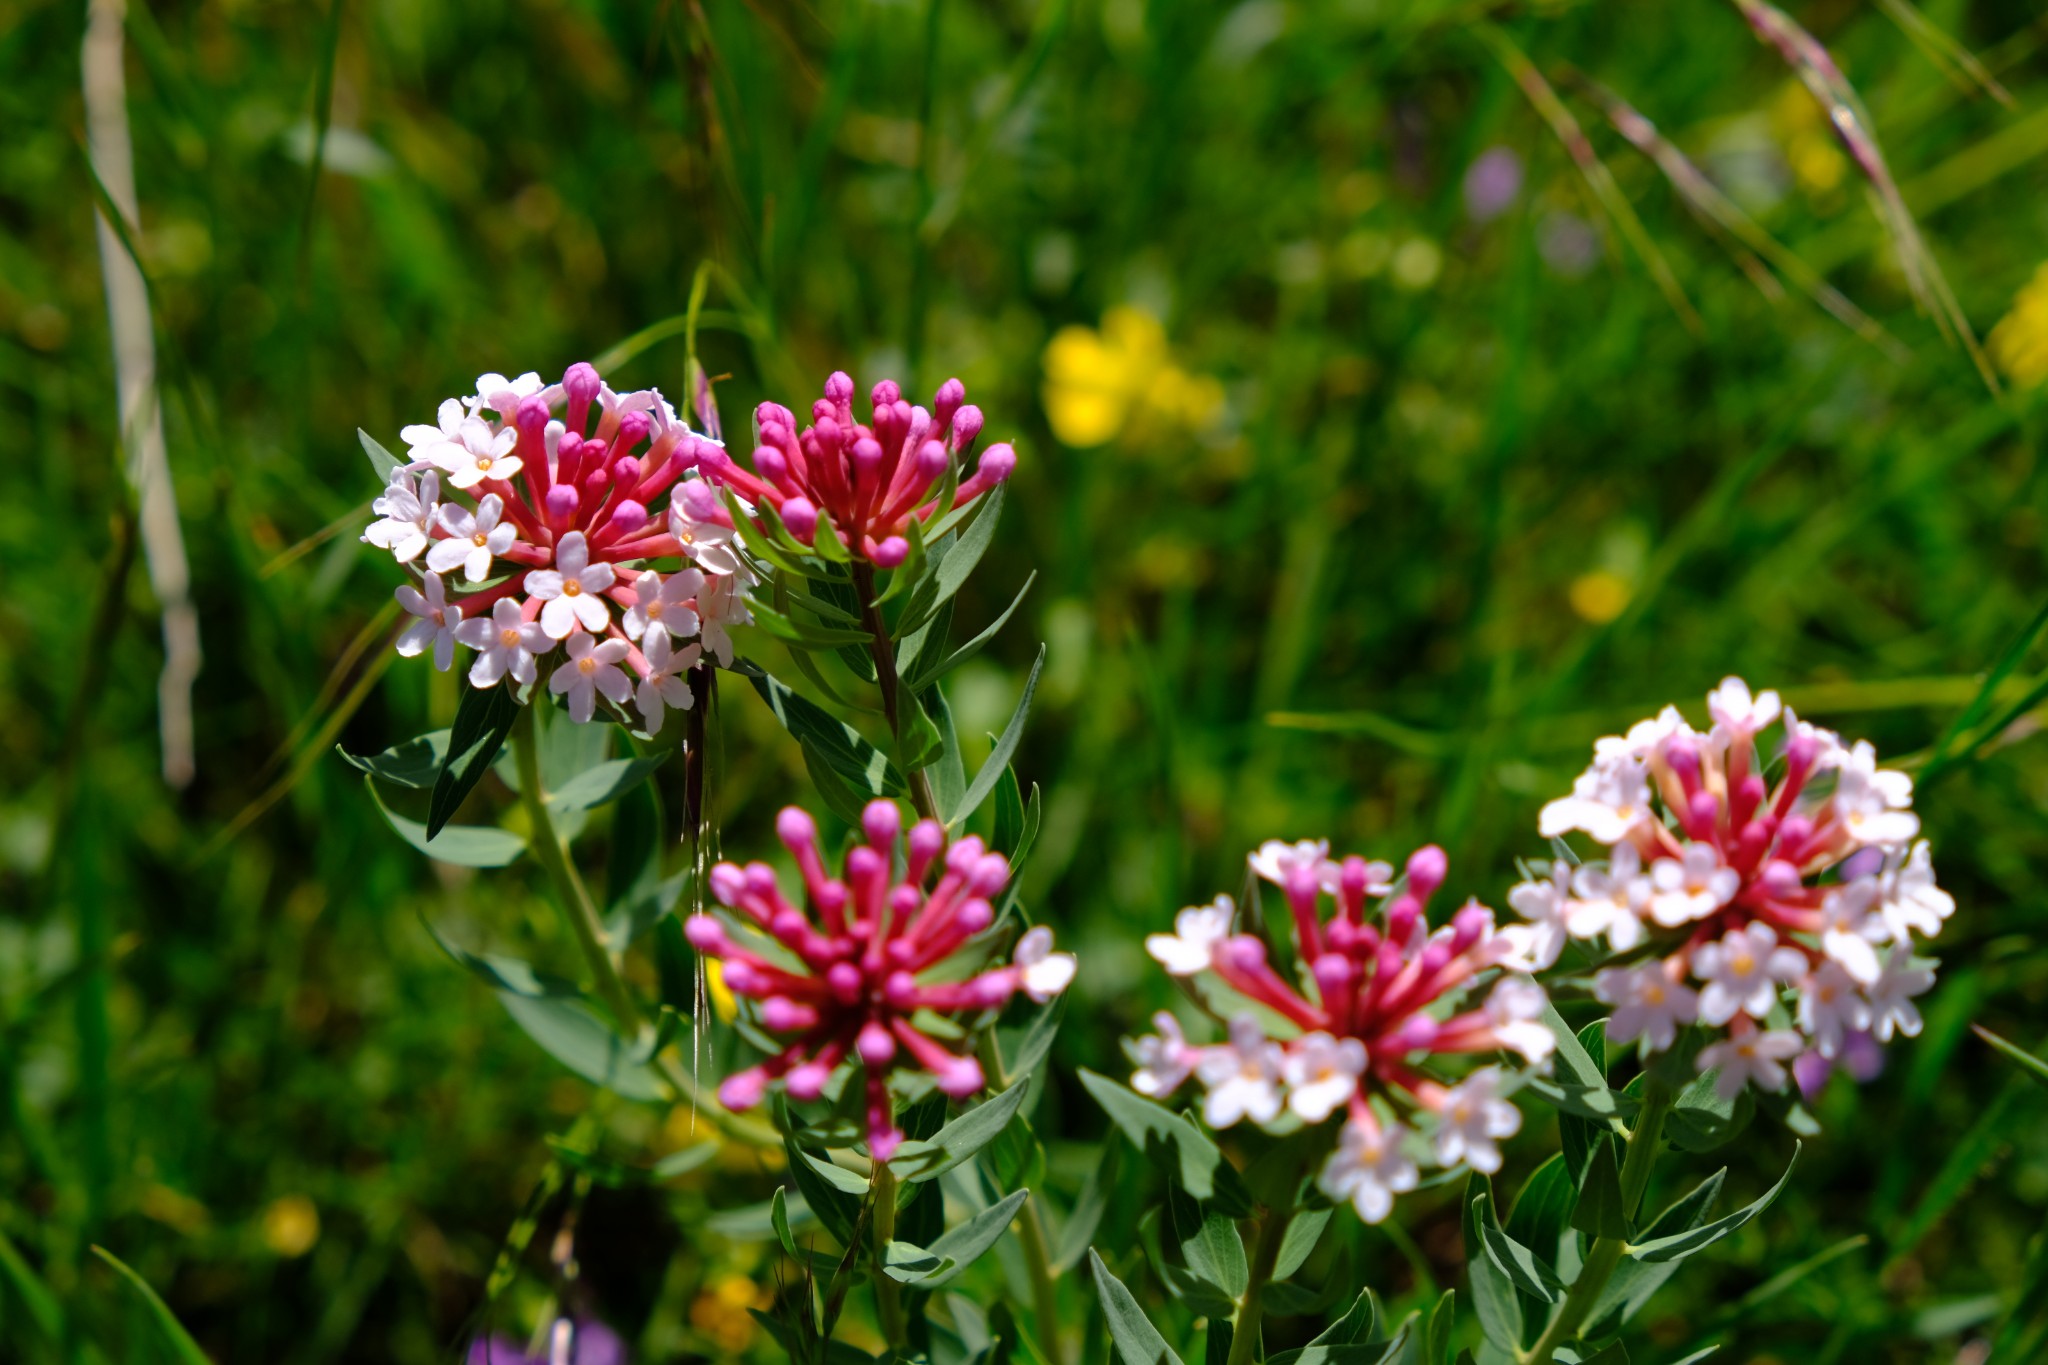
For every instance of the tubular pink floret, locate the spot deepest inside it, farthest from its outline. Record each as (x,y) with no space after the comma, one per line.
(863,940)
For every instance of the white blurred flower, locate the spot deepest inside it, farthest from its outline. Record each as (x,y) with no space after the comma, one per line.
(1515,1010)
(1756,1057)
(1243,1077)
(1873,804)
(591,668)
(1611,900)
(1850,927)
(1692,887)
(1830,1007)
(1276,860)
(1322,1074)
(1647,1004)
(405,515)
(1609,801)
(1891,995)
(664,688)
(1736,712)
(437,619)
(1545,906)
(1472,1118)
(1369,1168)
(1042,972)
(1163,1060)
(1743,972)
(1197,931)
(1912,902)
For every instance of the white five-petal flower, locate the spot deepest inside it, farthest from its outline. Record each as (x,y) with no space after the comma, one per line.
(505,643)
(1873,804)
(1850,926)
(1545,907)
(1369,1168)
(1276,860)
(712,544)
(477,453)
(1647,1004)
(1692,887)
(1608,801)
(1163,1060)
(722,603)
(1197,931)
(1611,900)
(421,438)
(591,668)
(1743,972)
(1754,1057)
(1515,1010)
(1830,1007)
(664,687)
(437,619)
(664,604)
(1042,972)
(1736,712)
(1471,1119)
(1912,902)
(1243,1076)
(571,589)
(473,541)
(406,515)
(1322,1074)
(1891,995)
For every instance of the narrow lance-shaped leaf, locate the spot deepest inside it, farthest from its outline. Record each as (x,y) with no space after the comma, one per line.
(464,845)
(1682,1244)
(483,717)
(1137,1341)
(1006,745)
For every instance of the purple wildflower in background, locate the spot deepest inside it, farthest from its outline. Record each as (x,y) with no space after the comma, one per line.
(580,1341)
(1492,183)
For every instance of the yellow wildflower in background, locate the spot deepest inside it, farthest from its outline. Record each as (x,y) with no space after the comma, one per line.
(1100,385)
(720,1312)
(1814,157)
(291,1225)
(722,1004)
(2019,343)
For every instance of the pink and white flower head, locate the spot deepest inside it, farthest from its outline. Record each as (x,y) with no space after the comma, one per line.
(843,976)
(1360,1033)
(1782,909)
(867,480)
(553,508)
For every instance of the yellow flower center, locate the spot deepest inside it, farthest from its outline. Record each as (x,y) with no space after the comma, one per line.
(1743,964)
(483,462)
(571,588)
(586,664)
(480,539)
(509,636)
(1653,994)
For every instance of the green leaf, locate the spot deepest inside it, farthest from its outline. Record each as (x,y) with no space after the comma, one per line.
(1600,1212)
(1086,1214)
(414,763)
(909,1263)
(1021,1058)
(1599,1103)
(502,973)
(463,845)
(794,630)
(947,773)
(965,1244)
(1171,1143)
(962,1138)
(952,569)
(1528,1272)
(183,1349)
(1633,1282)
(1300,1240)
(1543,1209)
(483,717)
(778,1217)
(927,675)
(1443,1320)
(832,743)
(2027,1061)
(594,787)
(1574,1065)
(1137,1341)
(1360,1323)
(1006,745)
(1678,1246)
(837,1209)
(574,1035)
(1493,1293)
(1702,1119)
(35,1296)
(685,1160)
(382,460)
(1209,1244)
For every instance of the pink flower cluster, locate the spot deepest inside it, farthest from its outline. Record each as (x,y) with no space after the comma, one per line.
(1364,1029)
(1743,889)
(866,481)
(554,545)
(844,976)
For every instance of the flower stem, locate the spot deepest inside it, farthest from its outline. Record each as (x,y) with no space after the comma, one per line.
(1606,1252)
(572,897)
(1244,1336)
(884,654)
(1031,1235)
(888,1294)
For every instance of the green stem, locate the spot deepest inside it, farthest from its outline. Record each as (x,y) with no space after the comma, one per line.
(884,654)
(1031,1234)
(1244,1336)
(1606,1252)
(579,912)
(888,1294)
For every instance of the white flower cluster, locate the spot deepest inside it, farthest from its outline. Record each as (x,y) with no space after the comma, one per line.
(556,555)
(1372,1017)
(1811,879)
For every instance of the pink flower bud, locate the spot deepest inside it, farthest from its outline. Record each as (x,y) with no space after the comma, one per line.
(783,1015)
(563,500)
(727,882)
(961,1078)
(975,916)
(966,427)
(901,989)
(1468,924)
(706,934)
(960,859)
(839,388)
(633,429)
(885,394)
(580,382)
(891,553)
(807,1081)
(801,518)
(770,464)
(628,516)
(760,879)
(1427,867)
(998,462)
(798,832)
(827,434)
(867,457)
(876,1045)
(946,402)
(743,1089)
(882,822)
(990,873)
(844,979)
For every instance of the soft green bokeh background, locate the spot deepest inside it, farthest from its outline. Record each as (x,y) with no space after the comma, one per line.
(1432,431)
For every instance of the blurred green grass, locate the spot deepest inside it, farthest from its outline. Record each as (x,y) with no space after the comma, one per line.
(1431,434)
